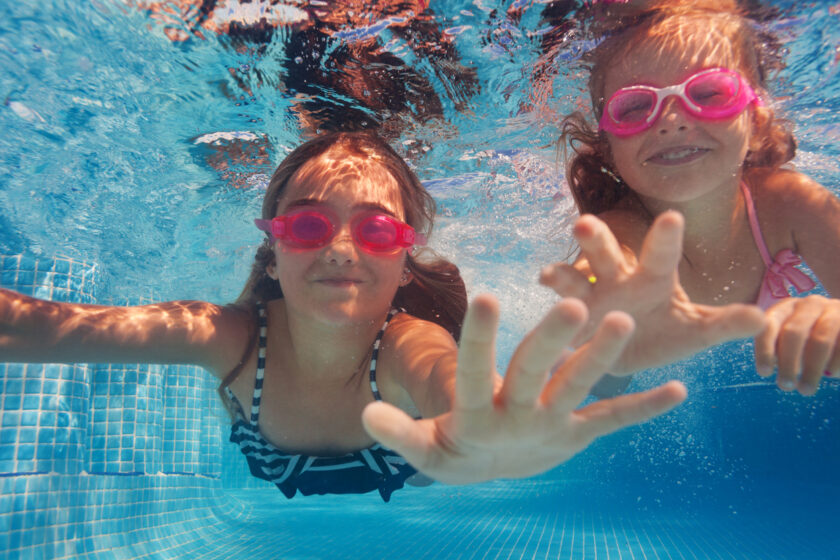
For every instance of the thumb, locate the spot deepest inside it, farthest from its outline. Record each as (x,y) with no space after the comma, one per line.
(398,431)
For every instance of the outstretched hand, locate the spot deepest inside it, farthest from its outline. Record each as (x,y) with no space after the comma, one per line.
(802,338)
(527,423)
(669,325)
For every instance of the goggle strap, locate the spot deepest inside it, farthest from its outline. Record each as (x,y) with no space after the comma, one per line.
(263,225)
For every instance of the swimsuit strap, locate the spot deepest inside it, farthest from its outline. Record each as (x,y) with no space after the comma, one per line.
(373,388)
(258,383)
(756,229)
(780,272)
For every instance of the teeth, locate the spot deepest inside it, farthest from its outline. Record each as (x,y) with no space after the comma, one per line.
(678,154)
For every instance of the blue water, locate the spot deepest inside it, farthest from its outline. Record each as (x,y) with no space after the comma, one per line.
(106,197)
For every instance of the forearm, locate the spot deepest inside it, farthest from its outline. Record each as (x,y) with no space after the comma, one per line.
(40,331)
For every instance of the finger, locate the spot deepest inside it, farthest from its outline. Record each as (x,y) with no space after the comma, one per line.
(599,246)
(396,430)
(765,343)
(730,322)
(663,245)
(539,350)
(566,280)
(607,416)
(476,354)
(572,382)
(833,367)
(790,344)
(819,349)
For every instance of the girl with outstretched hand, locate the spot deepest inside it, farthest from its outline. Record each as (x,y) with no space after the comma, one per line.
(685,124)
(338,362)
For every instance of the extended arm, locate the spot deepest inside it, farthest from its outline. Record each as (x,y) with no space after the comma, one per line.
(194,332)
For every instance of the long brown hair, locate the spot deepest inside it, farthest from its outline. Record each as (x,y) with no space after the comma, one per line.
(593,180)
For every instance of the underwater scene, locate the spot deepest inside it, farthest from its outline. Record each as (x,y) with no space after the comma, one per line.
(139,141)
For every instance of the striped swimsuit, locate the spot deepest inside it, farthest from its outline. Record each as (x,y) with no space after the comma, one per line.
(358,472)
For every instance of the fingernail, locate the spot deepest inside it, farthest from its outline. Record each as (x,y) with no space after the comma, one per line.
(828,373)
(787,385)
(764,370)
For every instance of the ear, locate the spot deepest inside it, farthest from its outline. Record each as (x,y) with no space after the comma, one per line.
(406,278)
(271,270)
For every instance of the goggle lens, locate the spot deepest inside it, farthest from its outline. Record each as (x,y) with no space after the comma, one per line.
(632,107)
(311,229)
(715,91)
(377,234)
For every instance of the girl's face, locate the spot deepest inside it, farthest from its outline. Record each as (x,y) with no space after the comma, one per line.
(340,282)
(680,157)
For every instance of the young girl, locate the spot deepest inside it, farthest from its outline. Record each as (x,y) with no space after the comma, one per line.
(318,337)
(685,123)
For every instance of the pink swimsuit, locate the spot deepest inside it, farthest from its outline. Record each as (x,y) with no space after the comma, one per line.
(781,273)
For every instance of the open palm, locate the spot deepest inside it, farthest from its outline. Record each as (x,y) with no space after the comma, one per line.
(529,422)
(669,326)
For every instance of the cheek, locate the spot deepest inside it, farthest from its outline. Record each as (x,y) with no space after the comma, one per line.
(622,155)
(739,136)
(390,268)
(290,265)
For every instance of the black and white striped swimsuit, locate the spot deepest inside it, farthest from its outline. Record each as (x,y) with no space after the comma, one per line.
(358,472)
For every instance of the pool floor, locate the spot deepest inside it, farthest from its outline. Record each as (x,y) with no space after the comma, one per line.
(500,520)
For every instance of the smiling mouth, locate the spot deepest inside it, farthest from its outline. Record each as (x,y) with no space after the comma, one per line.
(339,281)
(678,155)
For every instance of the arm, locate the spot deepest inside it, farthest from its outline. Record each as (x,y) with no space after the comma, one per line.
(528,423)
(423,362)
(813,213)
(802,338)
(182,332)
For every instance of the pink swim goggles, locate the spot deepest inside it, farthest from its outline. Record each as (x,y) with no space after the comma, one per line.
(715,93)
(375,232)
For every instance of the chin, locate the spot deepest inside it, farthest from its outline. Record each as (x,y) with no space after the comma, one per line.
(349,313)
(678,188)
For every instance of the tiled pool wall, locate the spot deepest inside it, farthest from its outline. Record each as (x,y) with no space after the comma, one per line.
(94,457)
(132,461)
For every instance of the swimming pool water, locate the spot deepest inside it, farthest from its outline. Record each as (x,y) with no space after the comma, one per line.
(107,196)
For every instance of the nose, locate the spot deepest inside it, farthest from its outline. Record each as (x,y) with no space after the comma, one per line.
(341,249)
(673,118)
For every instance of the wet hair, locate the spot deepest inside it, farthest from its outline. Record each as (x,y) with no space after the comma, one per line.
(436,293)
(593,180)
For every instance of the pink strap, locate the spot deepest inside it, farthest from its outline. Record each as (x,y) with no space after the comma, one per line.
(756,229)
(781,272)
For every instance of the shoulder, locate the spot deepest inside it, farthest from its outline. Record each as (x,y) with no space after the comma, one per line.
(796,211)
(792,199)
(406,333)
(419,357)
(234,326)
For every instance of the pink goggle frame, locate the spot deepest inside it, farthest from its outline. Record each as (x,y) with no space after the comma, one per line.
(711,94)
(307,228)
